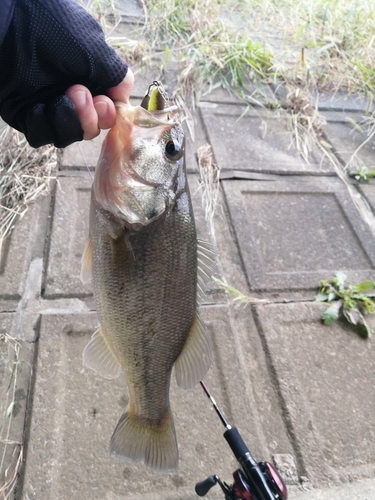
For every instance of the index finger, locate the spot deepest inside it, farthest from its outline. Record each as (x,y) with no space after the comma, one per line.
(122,91)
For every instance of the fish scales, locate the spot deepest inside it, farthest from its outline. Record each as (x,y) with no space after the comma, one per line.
(142,253)
(144,273)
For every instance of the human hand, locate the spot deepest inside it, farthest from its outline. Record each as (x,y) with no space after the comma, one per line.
(43,61)
(99,112)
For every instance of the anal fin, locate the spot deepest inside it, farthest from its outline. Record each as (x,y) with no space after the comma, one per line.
(98,356)
(86,261)
(195,359)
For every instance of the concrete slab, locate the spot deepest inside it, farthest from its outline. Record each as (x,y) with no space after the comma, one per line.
(257,95)
(82,155)
(70,226)
(69,232)
(361,490)
(368,191)
(324,393)
(260,141)
(16,360)
(25,242)
(341,101)
(346,139)
(68,237)
(75,412)
(294,232)
(130,11)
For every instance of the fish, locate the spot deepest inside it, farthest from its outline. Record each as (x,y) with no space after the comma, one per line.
(149,274)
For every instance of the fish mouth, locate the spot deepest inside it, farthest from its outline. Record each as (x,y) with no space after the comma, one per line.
(159,120)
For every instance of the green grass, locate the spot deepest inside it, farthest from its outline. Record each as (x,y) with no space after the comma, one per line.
(316,44)
(208,49)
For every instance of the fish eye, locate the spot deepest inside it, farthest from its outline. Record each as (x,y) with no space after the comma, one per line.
(172,150)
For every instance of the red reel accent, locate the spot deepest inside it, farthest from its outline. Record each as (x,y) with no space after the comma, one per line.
(240,486)
(275,476)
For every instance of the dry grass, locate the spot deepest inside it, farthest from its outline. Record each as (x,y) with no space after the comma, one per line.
(210,180)
(25,173)
(355,166)
(306,123)
(9,467)
(240,299)
(106,14)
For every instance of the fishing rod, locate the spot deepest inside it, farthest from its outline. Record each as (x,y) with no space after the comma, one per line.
(254,480)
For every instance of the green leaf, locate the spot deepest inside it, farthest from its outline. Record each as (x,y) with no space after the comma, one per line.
(349,303)
(363,329)
(353,315)
(322,297)
(368,305)
(339,279)
(332,312)
(365,286)
(332,296)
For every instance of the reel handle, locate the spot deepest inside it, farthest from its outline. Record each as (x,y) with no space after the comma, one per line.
(203,487)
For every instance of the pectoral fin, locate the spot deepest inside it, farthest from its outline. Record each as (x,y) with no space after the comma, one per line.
(86,262)
(98,356)
(195,359)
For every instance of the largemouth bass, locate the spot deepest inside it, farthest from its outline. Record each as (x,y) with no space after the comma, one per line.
(148,274)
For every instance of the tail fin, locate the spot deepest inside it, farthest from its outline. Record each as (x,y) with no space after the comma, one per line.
(136,441)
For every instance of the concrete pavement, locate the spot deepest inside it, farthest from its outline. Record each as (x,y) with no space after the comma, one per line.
(301,394)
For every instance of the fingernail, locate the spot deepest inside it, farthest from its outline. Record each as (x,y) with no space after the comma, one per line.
(79,99)
(101,108)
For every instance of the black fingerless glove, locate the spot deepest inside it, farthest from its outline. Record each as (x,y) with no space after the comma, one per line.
(49,46)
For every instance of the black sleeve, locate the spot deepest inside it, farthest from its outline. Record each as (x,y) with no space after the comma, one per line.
(6,11)
(49,46)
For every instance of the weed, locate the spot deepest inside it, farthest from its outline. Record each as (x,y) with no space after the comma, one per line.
(349,302)
(363,175)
